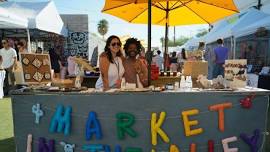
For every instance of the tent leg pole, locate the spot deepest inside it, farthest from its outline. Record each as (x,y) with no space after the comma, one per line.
(166,37)
(234,48)
(149,52)
(28,41)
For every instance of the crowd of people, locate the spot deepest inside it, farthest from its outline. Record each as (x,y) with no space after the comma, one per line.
(215,57)
(114,66)
(173,62)
(9,59)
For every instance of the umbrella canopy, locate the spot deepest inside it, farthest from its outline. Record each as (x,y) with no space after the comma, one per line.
(171,12)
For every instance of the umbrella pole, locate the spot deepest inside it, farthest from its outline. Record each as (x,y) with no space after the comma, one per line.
(166,38)
(149,52)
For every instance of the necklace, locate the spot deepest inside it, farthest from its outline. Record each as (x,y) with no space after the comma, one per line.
(116,62)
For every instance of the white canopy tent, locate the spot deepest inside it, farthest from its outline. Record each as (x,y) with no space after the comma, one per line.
(40,15)
(192,43)
(31,15)
(10,20)
(225,28)
(246,4)
(253,27)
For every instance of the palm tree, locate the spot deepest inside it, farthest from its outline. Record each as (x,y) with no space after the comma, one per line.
(103,27)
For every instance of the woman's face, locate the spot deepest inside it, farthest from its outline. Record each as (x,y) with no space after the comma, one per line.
(115,45)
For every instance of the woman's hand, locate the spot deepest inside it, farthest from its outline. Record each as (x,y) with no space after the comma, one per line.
(118,83)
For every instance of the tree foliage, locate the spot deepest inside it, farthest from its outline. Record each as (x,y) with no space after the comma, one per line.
(178,42)
(201,32)
(103,27)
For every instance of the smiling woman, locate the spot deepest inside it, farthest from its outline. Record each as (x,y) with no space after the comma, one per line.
(110,64)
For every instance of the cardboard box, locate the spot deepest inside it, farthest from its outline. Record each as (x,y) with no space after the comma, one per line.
(195,68)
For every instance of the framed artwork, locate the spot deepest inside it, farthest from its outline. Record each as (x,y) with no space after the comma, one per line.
(36,68)
(236,73)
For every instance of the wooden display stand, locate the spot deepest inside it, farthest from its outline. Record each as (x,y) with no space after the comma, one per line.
(34,69)
(236,73)
(195,68)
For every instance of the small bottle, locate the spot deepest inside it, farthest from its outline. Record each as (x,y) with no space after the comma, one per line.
(123,83)
(182,83)
(189,83)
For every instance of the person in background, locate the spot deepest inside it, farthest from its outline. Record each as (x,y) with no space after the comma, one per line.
(221,54)
(181,58)
(210,58)
(135,70)
(110,64)
(158,60)
(9,58)
(16,48)
(173,61)
(201,51)
(55,62)
(167,62)
(24,42)
(21,47)
(71,65)
(39,50)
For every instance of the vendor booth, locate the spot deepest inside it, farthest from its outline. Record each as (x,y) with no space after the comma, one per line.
(146,121)
(253,43)
(220,115)
(178,112)
(225,29)
(37,21)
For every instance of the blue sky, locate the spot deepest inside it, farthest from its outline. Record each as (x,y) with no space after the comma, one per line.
(117,26)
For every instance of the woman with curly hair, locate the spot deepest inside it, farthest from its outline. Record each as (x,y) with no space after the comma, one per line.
(110,64)
(135,71)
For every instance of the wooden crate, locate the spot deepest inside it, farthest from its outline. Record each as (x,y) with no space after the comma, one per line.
(195,68)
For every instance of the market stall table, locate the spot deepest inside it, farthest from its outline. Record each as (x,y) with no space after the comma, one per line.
(131,120)
(264,81)
(162,80)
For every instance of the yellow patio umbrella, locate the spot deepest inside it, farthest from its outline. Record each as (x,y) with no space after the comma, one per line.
(171,12)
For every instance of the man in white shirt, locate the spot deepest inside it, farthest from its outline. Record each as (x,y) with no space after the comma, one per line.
(158,60)
(9,58)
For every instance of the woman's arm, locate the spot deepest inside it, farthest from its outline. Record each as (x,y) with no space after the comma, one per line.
(104,64)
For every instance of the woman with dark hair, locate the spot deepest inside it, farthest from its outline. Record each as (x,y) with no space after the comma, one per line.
(173,61)
(110,65)
(55,62)
(135,70)
(181,58)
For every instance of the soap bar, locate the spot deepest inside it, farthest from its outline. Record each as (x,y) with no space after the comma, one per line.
(130,85)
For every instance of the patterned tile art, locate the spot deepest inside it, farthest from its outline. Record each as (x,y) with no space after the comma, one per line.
(36,68)
(236,73)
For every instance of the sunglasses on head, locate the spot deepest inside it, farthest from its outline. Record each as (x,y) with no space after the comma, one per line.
(114,44)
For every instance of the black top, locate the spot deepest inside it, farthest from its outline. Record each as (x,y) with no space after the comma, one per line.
(54,61)
(173,60)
